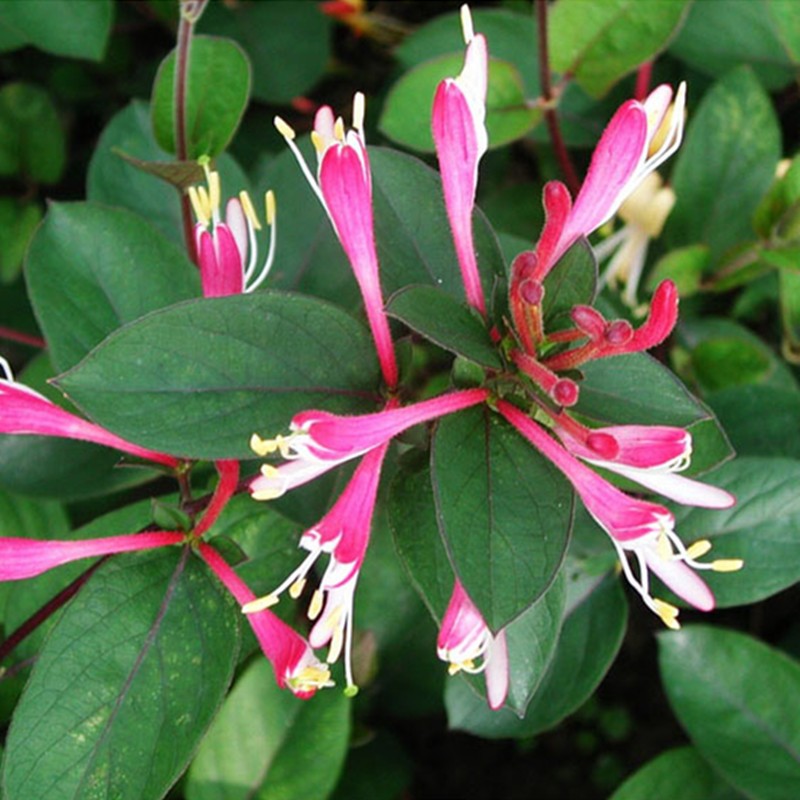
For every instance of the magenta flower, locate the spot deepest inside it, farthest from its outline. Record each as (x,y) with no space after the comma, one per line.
(468,645)
(343,533)
(293,661)
(227,251)
(644,529)
(320,440)
(459,133)
(344,187)
(24,411)
(650,455)
(25,558)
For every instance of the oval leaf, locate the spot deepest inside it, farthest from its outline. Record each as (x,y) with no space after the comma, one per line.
(734,695)
(198,379)
(504,511)
(135,669)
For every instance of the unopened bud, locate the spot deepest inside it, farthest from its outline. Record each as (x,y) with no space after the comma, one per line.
(532,292)
(604,445)
(565,392)
(619,332)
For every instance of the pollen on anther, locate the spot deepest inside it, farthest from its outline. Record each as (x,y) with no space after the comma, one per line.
(296,589)
(727,564)
(284,129)
(260,604)
(315,606)
(250,212)
(466,24)
(269,207)
(698,549)
(338,129)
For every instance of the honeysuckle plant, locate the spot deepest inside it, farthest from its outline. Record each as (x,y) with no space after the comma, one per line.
(478,445)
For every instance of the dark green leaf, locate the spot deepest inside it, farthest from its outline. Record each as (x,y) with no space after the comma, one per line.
(734,696)
(197,379)
(572,281)
(718,37)
(725,165)
(126,684)
(636,389)
(218,88)
(741,410)
(378,769)
(406,118)
(18,221)
(91,269)
(442,319)
(762,528)
(287,42)
(678,773)
(77,28)
(600,41)
(32,143)
(267,743)
(504,512)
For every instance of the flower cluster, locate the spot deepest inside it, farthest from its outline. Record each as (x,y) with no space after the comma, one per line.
(638,139)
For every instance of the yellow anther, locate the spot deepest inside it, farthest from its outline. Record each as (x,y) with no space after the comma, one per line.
(249,211)
(214,190)
(727,564)
(358,111)
(267,494)
(315,606)
(660,136)
(663,548)
(269,207)
(296,589)
(466,24)
(312,677)
(199,209)
(260,604)
(668,614)
(338,129)
(284,129)
(698,549)
(318,142)
(261,447)
(266,447)
(332,622)
(335,650)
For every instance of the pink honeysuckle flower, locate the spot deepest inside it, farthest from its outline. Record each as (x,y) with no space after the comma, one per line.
(344,187)
(464,640)
(25,558)
(650,455)
(26,412)
(344,534)
(633,145)
(459,133)
(293,661)
(227,251)
(320,440)
(644,529)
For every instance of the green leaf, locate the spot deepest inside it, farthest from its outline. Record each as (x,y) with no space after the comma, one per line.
(48,466)
(735,695)
(571,282)
(762,528)
(32,142)
(636,389)
(378,769)
(91,269)
(126,684)
(18,221)
(218,88)
(76,28)
(752,432)
(442,319)
(677,773)
(600,42)
(406,117)
(287,42)
(267,743)
(504,512)
(725,165)
(684,267)
(197,379)
(718,37)
(789,283)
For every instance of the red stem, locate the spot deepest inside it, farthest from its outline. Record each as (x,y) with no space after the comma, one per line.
(22,338)
(550,116)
